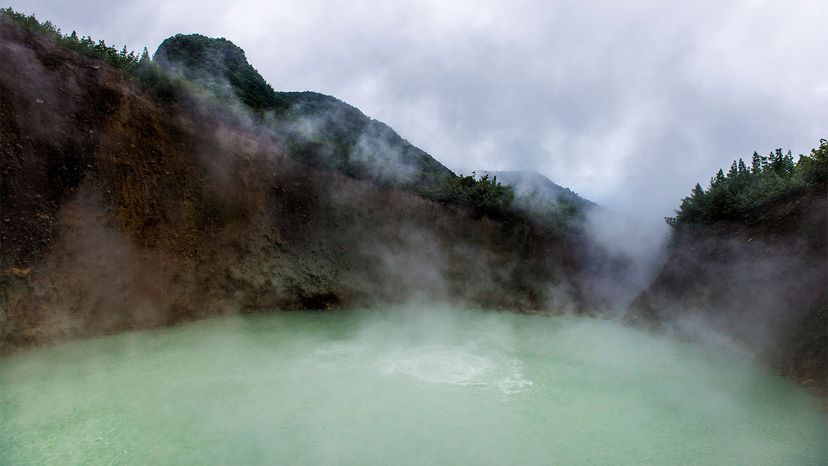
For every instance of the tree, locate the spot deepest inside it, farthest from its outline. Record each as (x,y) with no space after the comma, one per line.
(742,191)
(758,162)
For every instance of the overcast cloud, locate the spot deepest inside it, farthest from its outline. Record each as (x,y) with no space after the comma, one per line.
(627,103)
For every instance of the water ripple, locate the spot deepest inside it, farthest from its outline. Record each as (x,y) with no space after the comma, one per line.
(457,365)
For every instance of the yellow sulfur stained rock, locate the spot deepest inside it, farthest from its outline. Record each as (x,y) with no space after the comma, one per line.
(20,272)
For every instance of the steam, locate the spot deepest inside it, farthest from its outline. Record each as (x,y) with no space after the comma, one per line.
(749,293)
(428,384)
(384,161)
(245,227)
(281,234)
(620,255)
(627,253)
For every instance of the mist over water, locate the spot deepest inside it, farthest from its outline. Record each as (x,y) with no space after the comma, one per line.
(426,385)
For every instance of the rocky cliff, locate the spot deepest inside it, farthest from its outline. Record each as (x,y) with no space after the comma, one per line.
(122,210)
(760,285)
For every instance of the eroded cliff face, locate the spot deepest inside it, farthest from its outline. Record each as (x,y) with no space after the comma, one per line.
(120,212)
(761,286)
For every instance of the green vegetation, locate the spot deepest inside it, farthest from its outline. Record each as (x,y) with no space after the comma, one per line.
(483,195)
(326,133)
(121,59)
(538,198)
(319,130)
(557,215)
(148,73)
(202,59)
(743,190)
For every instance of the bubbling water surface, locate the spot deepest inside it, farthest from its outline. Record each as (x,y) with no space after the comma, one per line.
(425,385)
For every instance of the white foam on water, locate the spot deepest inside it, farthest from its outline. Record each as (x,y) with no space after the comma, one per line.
(514,383)
(456,365)
(453,365)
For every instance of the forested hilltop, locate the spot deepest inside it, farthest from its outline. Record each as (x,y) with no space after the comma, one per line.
(748,265)
(316,129)
(743,191)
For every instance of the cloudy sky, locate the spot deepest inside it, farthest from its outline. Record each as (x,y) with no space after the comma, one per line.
(629,103)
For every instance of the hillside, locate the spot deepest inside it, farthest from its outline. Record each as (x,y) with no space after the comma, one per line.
(541,198)
(319,130)
(755,278)
(537,188)
(125,205)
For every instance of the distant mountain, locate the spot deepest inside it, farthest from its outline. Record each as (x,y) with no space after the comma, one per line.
(319,130)
(540,197)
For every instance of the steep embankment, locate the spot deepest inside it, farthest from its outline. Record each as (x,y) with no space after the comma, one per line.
(121,211)
(318,129)
(761,284)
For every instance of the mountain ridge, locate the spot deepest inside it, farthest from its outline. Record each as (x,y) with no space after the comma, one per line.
(321,130)
(125,208)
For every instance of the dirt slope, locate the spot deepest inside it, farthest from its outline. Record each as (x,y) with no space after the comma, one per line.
(762,284)
(121,212)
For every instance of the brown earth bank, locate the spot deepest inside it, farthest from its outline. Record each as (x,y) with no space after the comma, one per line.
(118,211)
(121,212)
(760,285)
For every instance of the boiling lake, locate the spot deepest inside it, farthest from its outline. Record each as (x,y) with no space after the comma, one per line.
(427,385)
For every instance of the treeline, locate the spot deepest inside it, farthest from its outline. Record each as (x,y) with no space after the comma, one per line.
(739,193)
(483,195)
(141,67)
(121,59)
(147,72)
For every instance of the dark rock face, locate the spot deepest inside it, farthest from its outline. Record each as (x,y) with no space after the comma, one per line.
(762,284)
(120,211)
(320,130)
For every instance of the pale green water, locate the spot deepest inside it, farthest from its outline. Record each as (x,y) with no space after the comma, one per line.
(400,387)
